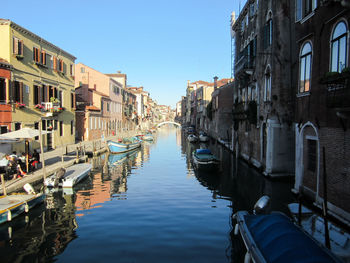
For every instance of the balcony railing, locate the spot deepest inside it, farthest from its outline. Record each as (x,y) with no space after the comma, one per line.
(337,90)
(245,62)
(51,107)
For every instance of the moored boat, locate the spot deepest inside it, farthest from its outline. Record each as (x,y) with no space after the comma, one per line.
(14,205)
(203,137)
(203,159)
(273,237)
(192,138)
(127,144)
(116,159)
(148,137)
(70,176)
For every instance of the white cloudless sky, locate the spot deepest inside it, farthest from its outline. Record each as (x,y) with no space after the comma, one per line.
(159,44)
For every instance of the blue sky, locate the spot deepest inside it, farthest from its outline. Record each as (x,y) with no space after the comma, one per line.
(159,44)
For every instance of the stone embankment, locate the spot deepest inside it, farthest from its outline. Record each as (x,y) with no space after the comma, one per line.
(65,156)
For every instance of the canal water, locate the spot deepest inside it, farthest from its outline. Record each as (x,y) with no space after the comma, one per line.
(149,206)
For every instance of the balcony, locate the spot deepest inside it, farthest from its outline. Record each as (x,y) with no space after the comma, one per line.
(337,89)
(245,63)
(51,108)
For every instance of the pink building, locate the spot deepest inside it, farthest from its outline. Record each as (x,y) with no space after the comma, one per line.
(99,104)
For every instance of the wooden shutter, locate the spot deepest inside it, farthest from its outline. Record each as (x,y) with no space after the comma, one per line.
(21,92)
(54,63)
(15,46)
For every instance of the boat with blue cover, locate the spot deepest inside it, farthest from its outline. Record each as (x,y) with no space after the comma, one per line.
(125,145)
(275,238)
(203,159)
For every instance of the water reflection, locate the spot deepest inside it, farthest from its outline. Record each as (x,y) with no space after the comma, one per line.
(133,205)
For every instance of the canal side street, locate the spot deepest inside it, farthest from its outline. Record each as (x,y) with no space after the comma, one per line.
(62,157)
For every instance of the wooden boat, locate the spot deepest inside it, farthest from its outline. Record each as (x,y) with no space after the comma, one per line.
(116,159)
(203,159)
(14,205)
(71,177)
(192,138)
(148,137)
(203,137)
(127,144)
(274,237)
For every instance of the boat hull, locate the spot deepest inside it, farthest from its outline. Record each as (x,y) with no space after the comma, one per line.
(274,236)
(73,175)
(116,147)
(12,206)
(208,162)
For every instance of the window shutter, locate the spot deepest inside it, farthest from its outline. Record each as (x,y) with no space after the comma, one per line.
(15,46)
(21,88)
(54,62)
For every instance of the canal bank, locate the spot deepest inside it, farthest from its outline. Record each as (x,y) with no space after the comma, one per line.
(62,157)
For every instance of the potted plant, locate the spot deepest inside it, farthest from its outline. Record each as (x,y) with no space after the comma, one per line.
(38,107)
(20,105)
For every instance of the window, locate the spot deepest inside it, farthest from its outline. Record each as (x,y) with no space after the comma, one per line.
(60,66)
(305,68)
(311,155)
(267,34)
(72,100)
(3,129)
(303,8)
(36,55)
(339,47)
(61,128)
(107,107)
(71,127)
(2,91)
(49,61)
(18,47)
(71,69)
(36,126)
(18,92)
(82,70)
(267,90)
(36,94)
(17,126)
(43,57)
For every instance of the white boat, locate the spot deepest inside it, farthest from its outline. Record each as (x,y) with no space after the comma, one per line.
(192,138)
(203,137)
(71,177)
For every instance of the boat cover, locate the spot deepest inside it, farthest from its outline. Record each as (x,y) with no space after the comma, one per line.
(203,151)
(274,238)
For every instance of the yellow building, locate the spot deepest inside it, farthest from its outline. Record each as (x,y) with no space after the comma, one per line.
(41,86)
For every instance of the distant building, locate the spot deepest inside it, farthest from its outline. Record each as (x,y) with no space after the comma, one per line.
(220,125)
(99,99)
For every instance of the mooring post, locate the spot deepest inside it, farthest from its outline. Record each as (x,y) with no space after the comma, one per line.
(325,209)
(3,184)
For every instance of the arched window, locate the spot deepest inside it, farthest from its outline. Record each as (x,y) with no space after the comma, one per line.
(339,47)
(305,68)
(267,88)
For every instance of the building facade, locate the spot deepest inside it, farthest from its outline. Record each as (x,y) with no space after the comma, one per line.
(100,104)
(41,88)
(263,96)
(323,104)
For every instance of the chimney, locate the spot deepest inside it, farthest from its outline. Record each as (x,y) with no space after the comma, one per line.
(215,82)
